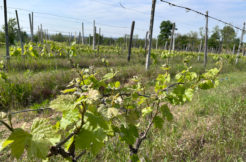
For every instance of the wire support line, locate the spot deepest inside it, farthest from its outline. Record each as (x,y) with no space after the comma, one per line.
(200,13)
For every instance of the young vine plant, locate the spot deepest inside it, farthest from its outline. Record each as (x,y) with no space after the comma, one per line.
(94,109)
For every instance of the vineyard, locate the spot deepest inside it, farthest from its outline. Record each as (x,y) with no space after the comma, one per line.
(76,101)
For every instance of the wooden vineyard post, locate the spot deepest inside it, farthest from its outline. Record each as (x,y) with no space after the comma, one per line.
(165,47)
(94,35)
(206,42)
(75,37)
(31,25)
(83,34)
(130,42)
(89,39)
(146,42)
(200,50)
(6,31)
(30,20)
(171,41)
(240,44)
(47,34)
(69,39)
(19,32)
(41,33)
(173,46)
(156,43)
(150,33)
(243,50)
(79,41)
(233,50)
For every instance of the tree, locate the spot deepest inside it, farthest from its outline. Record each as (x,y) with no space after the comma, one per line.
(165,31)
(193,39)
(214,40)
(228,36)
(58,37)
(181,41)
(12,28)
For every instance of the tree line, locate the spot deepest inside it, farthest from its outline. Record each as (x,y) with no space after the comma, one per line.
(220,40)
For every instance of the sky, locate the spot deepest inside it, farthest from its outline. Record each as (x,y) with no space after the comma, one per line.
(114,17)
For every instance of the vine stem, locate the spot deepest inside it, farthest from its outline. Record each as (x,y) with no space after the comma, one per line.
(143,136)
(7,126)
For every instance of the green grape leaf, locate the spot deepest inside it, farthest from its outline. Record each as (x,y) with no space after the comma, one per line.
(206,84)
(188,94)
(132,117)
(128,134)
(69,90)
(63,103)
(96,120)
(113,112)
(90,140)
(93,95)
(166,113)
(39,149)
(19,139)
(158,122)
(147,111)
(97,146)
(3,115)
(69,117)
(117,84)
(84,139)
(4,144)
(109,76)
(42,130)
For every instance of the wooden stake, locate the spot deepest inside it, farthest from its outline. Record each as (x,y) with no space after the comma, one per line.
(240,44)
(69,39)
(173,46)
(165,47)
(19,32)
(94,35)
(83,34)
(89,40)
(79,39)
(171,41)
(206,42)
(200,50)
(234,47)
(146,42)
(42,37)
(150,33)
(6,31)
(32,25)
(156,43)
(30,20)
(130,43)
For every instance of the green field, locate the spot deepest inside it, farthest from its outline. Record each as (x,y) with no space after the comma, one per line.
(209,128)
